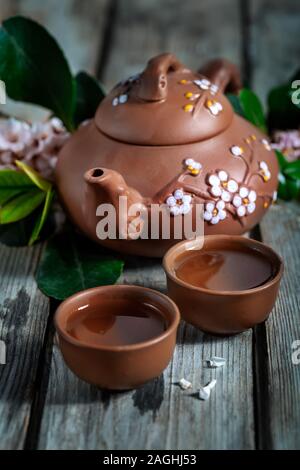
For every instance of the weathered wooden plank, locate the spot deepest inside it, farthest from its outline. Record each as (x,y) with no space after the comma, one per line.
(195,31)
(274,29)
(275,45)
(23,310)
(281,229)
(23,319)
(160,415)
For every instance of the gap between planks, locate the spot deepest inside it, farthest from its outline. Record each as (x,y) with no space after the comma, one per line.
(45,357)
(260,357)
(260,363)
(166,420)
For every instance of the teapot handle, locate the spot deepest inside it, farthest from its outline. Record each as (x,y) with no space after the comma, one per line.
(153,82)
(224,74)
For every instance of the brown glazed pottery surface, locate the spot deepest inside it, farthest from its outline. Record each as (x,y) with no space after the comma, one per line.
(165,129)
(117,337)
(225,287)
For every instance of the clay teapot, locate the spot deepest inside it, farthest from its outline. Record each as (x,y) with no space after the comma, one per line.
(169,136)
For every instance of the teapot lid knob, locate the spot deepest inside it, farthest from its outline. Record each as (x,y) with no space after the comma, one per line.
(153,82)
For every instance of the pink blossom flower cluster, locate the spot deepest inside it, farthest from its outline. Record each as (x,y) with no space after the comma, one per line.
(36,144)
(288,142)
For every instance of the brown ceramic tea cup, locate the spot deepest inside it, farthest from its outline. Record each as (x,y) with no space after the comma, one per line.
(117,337)
(225,286)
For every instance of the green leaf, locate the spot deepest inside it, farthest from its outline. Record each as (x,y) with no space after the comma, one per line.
(289,188)
(281,160)
(89,94)
(8,193)
(13,178)
(35,177)
(19,233)
(21,206)
(283,192)
(42,218)
(34,68)
(71,263)
(279,98)
(252,108)
(13,183)
(236,104)
(289,178)
(293,187)
(21,193)
(292,169)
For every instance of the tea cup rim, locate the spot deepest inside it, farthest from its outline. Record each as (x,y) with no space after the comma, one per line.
(62,309)
(195,243)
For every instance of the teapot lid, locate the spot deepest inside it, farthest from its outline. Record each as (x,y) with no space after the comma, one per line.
(167,104)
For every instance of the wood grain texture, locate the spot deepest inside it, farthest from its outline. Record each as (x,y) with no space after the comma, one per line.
(160,415)
(275,45)
(195,31)
(23,319)
(281,229)
(274,31)
(74,415)
(24,310)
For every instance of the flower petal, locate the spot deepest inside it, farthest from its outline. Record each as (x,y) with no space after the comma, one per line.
(244,191)
(232,186)
(178,194)
(171,201)
(263,166)
(220,205)
(222,215)
(236,150)
(251,207)
(215,220)
(214,180)
(267,174)
(241,211)
(237,201)
(204,84)
(210,206)
(197,165)
(226,196)
(185,208)
(214,88)
(223,176)
(186,199)
(266,144)
(252,196)
(123,99)
(215,108)
(57,124)
(175,210)
(216,191)
(189,162)
(207,216)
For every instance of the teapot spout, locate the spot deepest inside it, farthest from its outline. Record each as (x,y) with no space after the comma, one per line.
(106,186)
